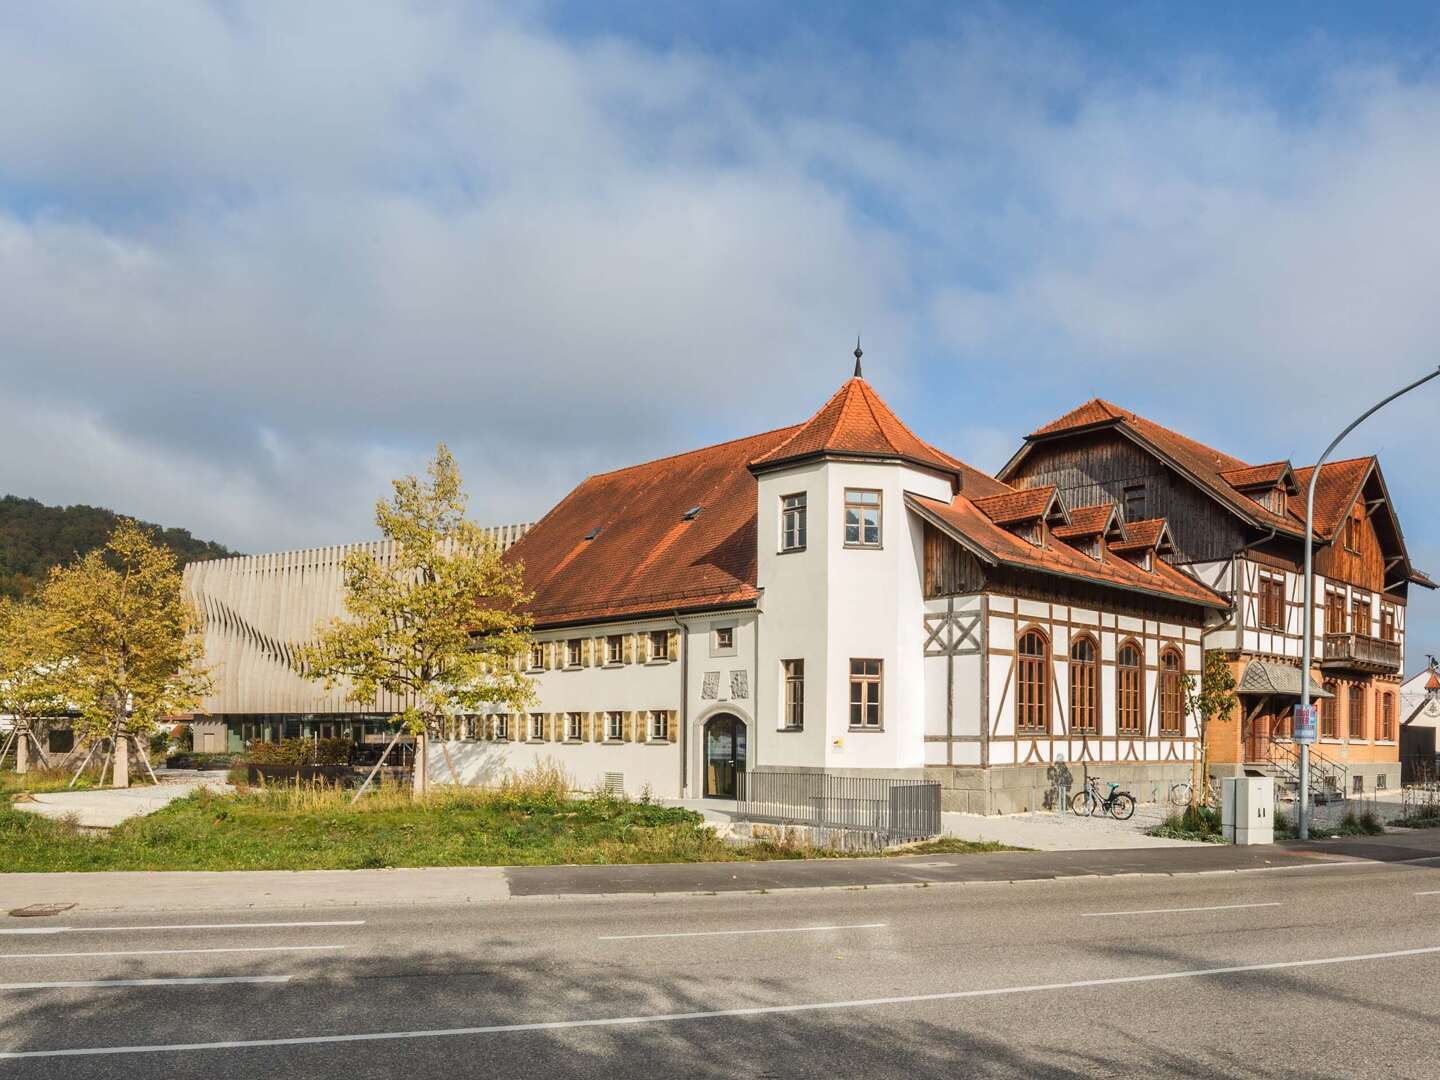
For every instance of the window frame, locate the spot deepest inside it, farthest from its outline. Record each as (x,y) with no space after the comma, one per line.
(1336,617)
(659,645)
(1123,671)
(1135,493)
(719,647)
(864,681)
(861,506)
(1362,611)
(1386,732)
(574,652)
(1084,679)
(794,510)
(1355,695)
(1171,672)
(1272,591)
(537,656)
(1329,709)
(502,727)
(615,649)
(1032,674)
(792,678)
(1388,629)
(614,726)
(658,726)
(574,727)
(537,723)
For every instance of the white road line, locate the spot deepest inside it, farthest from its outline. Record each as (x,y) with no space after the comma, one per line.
(178,926)
(717,1014)
(1432,892)
(88,983)
(1175,910)
(725,933)
(170,952)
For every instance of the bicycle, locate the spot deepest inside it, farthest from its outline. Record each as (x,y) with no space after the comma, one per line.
(1120,805)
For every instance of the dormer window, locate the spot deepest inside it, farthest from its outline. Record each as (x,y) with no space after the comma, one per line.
(1094,548)
(1273,500)
(1032,532)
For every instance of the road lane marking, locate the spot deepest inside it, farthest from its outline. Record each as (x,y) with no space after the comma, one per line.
(1176,910)
(718,1014)
(178,926)
(1432,892)
(725,933)
(179,981)
(170,952)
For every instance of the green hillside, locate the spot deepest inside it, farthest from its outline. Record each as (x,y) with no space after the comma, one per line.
(34,537)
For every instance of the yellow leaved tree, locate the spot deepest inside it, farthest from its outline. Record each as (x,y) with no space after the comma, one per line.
(127,644)
(29,695)
(437,624)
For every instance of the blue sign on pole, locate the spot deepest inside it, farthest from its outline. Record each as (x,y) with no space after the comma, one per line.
(1304,729)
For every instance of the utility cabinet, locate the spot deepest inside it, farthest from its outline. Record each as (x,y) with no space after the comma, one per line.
(1247,809)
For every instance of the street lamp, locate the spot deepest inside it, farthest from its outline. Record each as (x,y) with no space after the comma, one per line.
(1308,617)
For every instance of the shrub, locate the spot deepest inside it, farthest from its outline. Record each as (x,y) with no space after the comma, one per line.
(332,751)
(546,780)
(285,752)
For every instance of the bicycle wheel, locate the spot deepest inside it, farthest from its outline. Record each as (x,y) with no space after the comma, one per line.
(1180,794)
(1083,804)
(1122,806)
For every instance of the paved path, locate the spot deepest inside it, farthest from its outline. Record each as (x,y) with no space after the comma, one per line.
(275,889)
(104,808)
(1282,975)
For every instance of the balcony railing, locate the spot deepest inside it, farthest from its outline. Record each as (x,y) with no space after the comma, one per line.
(1361,652)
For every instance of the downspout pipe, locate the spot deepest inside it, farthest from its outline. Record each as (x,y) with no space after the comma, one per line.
(1308,616)
(684,703)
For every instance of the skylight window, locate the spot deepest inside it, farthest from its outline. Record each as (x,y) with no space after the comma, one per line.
(691,514)
(593,533)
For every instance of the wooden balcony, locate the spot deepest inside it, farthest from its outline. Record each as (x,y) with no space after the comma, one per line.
(1361,652)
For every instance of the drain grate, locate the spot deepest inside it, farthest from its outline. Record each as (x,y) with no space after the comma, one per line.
(33,911)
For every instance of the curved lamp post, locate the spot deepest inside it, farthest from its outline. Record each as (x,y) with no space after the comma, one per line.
(1308,615)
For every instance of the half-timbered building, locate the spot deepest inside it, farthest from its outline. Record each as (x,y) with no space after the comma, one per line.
(1239,529)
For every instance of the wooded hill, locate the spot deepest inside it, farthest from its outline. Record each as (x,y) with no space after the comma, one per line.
(34,537)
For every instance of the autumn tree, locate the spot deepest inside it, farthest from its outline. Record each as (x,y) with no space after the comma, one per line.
(127,643)
(1213,699)
(28,691)
(439,622)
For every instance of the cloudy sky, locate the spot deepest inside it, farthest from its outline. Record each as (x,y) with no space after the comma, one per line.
(257,258)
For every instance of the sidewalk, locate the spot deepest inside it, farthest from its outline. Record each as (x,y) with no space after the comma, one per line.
(198,892)
(104,808)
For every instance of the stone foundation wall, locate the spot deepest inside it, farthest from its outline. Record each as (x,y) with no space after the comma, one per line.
(1017,789)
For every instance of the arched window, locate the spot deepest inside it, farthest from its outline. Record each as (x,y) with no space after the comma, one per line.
(1084,687)
(1129,690)
(1172,710)
(1327,714)
(1032,684)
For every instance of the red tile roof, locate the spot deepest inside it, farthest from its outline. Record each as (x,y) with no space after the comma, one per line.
(1017,506)
(1087,521)
(1140,535)
(977,532)
(1267,475)
(855,421)
(646,559)
(1204,463)
(1335,492)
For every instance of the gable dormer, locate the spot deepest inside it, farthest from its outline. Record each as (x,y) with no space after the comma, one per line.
(1270,485)
(1029,514)
(1144,541)
(1092,529)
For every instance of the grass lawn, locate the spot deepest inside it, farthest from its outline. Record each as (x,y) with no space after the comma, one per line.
(309,829)
(41,780)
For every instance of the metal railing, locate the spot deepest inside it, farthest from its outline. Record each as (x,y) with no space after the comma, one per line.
(1361,652)
(898,810)
(1328,777)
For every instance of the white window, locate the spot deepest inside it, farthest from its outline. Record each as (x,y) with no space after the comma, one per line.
(537,656)
(724,639)
(660,726)
(862,518)
(792,522)
(615,649)
(572,726)
(537,726)
(574,652)
(794,694)
(502,727)
(615,726)
(659,645)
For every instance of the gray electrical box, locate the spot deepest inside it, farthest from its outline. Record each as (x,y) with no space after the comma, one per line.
(1247,809)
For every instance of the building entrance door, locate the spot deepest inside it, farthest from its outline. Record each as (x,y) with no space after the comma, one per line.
(724,756)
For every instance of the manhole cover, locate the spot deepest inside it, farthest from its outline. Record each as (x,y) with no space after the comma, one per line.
(35,910)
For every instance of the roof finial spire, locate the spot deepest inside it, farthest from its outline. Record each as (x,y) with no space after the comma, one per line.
(858,354)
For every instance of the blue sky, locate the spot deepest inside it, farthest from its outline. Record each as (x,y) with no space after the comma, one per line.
(255,259)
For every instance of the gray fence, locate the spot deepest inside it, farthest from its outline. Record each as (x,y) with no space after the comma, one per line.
(897,810)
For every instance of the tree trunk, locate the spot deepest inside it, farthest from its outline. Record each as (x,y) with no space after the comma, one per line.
(122,762)
(22,750)
(421,770)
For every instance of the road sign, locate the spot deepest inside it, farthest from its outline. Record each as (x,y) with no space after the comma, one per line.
(1304,730)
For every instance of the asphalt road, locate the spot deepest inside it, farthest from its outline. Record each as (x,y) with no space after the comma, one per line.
(1328,970)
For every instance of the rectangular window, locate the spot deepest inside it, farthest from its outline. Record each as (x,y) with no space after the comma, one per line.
(659,645)
(1357,712)
(1328,727)
(537,727)
(862,518)
(537,656)
(615,649)
(1387,717)
(865,681)
(1350,534)
(660,726)
(573,726)
(1272,603)
(794,694)
(1387,622)
(1360,616)
(502,727)
(1334,612)
(724,638)
(1134,502)
(792,522)
(615,726)
(574,653)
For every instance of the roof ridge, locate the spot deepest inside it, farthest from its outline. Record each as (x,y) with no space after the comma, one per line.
(697,450)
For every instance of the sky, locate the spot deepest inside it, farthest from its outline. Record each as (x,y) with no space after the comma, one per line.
(256,259)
